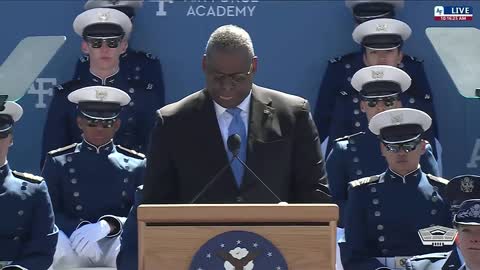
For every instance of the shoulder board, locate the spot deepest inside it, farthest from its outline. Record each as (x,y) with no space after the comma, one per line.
(130,152)
(416,59)
(144,54)
(84,59)
(436,179)
(28,177)
(62,150)
(349,136)
(335,59)
(363,181)
(431,256)
(151,56)
(70,85)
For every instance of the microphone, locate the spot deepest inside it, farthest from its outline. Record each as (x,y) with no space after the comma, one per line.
(234,141)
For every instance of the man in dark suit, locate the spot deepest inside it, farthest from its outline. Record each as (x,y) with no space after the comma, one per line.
(189,144)
(279,140)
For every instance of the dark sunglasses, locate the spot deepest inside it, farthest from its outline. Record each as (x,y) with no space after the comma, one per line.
(103,123)
(4,134)
(96,42)
(407,146)
(388,101)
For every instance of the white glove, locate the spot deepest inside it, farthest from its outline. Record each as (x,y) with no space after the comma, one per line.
(84,239)
(63,247)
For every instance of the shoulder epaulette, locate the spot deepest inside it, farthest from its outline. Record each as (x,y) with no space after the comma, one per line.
(349,136)
(28,177)
(335,59)
(130,152)
(150,56)
(431,256)
(62,150)
(437,179)
(363,181)
(416,59)
(70,85)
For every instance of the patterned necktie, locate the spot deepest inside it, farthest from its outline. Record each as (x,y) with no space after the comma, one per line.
(238,127)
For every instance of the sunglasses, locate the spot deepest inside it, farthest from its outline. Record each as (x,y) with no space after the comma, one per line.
(388,101)
(407,146)
(4,134)
(96,42)
(102,123)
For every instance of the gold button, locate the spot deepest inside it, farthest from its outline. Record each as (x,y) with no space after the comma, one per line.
(76,194)
(79,207)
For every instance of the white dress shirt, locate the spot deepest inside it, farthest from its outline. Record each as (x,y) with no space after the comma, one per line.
(224,118)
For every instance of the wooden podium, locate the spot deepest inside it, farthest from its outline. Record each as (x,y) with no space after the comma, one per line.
(170,235)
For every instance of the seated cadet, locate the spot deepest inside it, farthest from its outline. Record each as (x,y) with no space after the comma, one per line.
(105,35)
(337,113)
(127,258)
(385,212)
(459,189)
(92,183)
(358,155)
(28,234)
(467,223)
(139,64)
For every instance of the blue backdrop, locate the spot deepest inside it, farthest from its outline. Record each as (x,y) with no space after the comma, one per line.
(293,39)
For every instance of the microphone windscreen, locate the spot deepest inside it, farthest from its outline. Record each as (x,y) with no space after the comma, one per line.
(233,142)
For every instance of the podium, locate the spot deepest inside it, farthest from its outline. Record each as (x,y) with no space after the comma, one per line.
(171,235)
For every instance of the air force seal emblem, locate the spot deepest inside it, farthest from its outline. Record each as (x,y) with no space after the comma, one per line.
(238,250)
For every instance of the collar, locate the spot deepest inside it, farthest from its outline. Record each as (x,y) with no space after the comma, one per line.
(4,171)
(244,106)
(411,177)
(110,80)
(102,149)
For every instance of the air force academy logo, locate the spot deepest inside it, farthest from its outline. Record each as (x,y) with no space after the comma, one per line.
(238,250)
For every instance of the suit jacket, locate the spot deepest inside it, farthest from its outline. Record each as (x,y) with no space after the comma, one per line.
(187,151)
(127,258)
(435,261)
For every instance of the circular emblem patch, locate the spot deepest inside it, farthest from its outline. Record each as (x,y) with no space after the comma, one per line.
(238,250)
